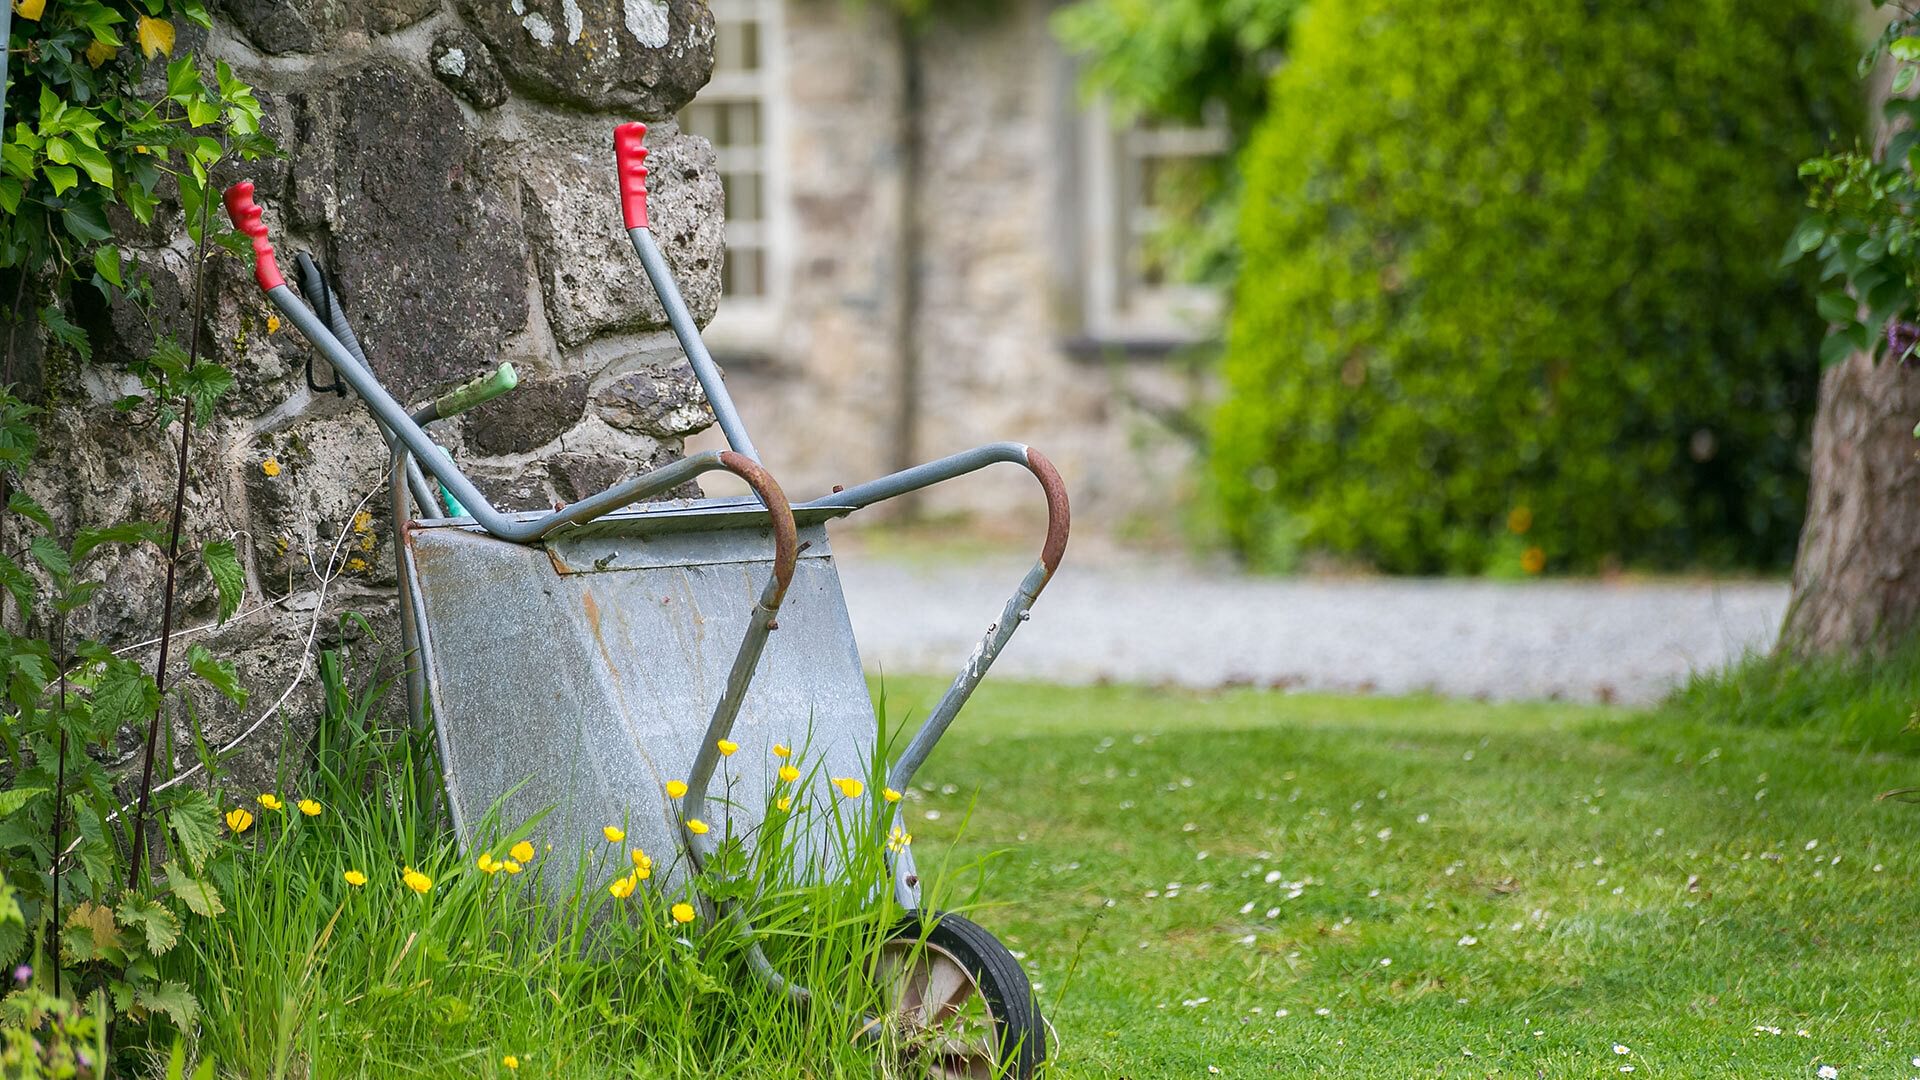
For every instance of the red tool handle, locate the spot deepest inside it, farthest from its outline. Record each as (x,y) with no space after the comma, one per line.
(246,217)
(632,159)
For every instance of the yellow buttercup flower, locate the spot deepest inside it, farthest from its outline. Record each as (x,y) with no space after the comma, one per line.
(683,913)
(355,878)
(781,752)
(487,864)
(416,880)
(783,803)
(239,820)
(789,773)
(727,747)
(270,467)
(898,840)
(849,787)
(309,807)
(641,861)
(622,887)
(614,834)
(273,324)
(696,826)
(511,867)
(890,795)
(1533,560)
(522,851)
(676,788)
(270,801)
(510,1061)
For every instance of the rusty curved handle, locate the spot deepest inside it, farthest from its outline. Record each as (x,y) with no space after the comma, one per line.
(786,535)
(1059,514)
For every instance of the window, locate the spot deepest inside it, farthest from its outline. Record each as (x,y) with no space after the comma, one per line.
(733,113)
(1131,294)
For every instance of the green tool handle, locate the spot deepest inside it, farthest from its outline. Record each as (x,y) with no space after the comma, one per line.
(479,391)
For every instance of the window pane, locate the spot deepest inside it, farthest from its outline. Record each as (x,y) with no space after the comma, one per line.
(743,123)
(743,196)
(743,273)
(736,46)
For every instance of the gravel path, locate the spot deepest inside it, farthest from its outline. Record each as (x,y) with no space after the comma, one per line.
(1116,617)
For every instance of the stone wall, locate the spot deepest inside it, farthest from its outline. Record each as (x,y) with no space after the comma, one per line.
(452,164)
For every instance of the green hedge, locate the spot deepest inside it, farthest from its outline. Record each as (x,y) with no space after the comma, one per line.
(1506,254)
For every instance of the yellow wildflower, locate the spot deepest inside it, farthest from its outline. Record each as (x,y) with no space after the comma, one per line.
(486,863)
(100,52)
(510,1061)
(239,820)
(356,564)
(641,861)
(273,324)
(622,887)
(849,787)
(270,801)
(1519,520)
(309,807)
(696,826)
(614,834)
(270,467)
(510,866)
(783,803)
(355,878)
(781,752)
(890,795)
(416,880)
(676,788)
(789,773)
(683,912)
(522,851)
(727,747)
(1533,560)
(898,840)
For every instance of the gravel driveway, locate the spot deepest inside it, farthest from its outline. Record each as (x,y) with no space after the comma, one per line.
(1111,616)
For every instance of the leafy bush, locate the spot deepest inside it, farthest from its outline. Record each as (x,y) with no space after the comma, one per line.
(1511,296)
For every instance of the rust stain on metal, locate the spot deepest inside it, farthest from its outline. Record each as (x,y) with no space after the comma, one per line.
(786,537)
(1059,515)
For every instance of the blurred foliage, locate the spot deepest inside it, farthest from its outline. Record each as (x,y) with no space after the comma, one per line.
(1522,256)
(1863,229)
(1185,62)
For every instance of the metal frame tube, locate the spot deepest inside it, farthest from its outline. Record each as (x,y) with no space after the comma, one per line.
(684,328)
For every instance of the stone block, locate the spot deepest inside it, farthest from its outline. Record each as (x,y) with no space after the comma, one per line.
(647,56)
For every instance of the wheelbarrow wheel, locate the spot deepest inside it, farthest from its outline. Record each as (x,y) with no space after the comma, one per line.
(956,1003)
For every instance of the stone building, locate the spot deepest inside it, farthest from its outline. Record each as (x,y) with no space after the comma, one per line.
(935,240)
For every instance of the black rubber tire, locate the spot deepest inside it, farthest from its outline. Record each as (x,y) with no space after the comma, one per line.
(1022,1034)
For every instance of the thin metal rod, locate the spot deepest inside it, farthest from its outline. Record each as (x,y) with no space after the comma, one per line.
(426,452)
(682,322)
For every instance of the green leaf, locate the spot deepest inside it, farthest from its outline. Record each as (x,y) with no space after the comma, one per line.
(1842,343)
(86,222)
(154,920)
(55,320)
(1906,48)
(21,503)
(218,674)
(86,541)
(223,562)
(12,799)
(62,177)
(205,384)
(1837,306)
(10,192)
(51,555)
(1903,79)
(200,896)
(196,828)
(171,998)
(124,693)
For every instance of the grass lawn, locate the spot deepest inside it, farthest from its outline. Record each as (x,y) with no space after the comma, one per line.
(1267,884)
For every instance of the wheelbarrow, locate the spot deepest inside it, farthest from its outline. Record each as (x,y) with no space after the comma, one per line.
(661,614)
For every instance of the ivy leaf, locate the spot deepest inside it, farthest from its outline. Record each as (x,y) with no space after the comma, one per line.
(10,192)
(196,828)
(153,919)
(218,674)
(106,262)
(86,221)
(155,36)
(200,896)
(1836,306)
(171,998)
(62,177)
(223,562)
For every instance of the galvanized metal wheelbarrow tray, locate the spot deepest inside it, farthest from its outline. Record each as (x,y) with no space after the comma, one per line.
(569,657)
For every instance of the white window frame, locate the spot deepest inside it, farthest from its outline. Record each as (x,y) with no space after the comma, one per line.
(751,324)
(1114,309)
